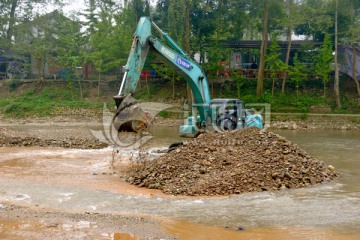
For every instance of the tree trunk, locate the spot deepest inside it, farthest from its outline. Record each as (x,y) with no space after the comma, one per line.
(147,86)
(187,26)
(260,82)
(354,70)
(289,35)
(10,30)
(80,88)
(173,86)
(98,90)
(336,85)
(187,47)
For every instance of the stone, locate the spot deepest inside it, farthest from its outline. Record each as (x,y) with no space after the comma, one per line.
(224,168)
(331,168)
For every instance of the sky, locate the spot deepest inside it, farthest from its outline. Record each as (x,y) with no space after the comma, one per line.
(74,6)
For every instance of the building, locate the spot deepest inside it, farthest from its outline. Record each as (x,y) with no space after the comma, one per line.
(41,40)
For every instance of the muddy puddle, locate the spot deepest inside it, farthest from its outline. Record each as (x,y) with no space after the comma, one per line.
(85,180)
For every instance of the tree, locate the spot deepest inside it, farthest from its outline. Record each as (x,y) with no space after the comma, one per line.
(336,85)
(276,65)
(260,80)
(41,39)
(317,19)
(353,37)
(293,18)
(167,73)
(323,62)
(297,73)
(14,12)
(176,20)
(109,53)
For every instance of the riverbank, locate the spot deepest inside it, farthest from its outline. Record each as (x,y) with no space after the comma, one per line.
(71,131)
(37,222)
(295,121)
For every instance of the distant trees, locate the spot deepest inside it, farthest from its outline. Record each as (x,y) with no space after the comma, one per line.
(14,12)
(197,25)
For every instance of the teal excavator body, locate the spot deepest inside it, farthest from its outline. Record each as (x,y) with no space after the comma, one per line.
(129,117)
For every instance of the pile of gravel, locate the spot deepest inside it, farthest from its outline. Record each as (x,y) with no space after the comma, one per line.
(233,162)
(13,141)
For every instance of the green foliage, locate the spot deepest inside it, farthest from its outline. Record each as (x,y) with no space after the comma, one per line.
(273,60)
(13,84)
(164,114)
(286,103)
(275,64)
(168,73)
(304,116)
(176,21)
(41,104)
(349,104)
(297,73)
(317,19)
(239,80)
(324,60)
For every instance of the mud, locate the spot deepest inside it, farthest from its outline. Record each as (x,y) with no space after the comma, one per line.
(19,222)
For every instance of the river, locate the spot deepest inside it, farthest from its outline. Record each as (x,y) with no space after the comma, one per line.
(45,177)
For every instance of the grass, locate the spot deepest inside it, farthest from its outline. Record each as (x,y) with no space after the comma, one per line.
(44,101)
(33,103)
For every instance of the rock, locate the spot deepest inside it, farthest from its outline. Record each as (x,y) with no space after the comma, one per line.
(233,162)
(331,168)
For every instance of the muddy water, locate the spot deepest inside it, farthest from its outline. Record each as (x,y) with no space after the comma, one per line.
(84,180)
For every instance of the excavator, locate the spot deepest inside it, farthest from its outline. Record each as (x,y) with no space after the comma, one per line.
(207,114)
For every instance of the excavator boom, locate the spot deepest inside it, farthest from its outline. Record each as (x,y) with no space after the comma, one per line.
(215,113)
(143,42)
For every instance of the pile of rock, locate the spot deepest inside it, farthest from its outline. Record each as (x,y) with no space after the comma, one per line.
(233,162)
(13,141)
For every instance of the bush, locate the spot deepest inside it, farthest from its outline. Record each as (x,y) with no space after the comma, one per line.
(13,84)
(164,114)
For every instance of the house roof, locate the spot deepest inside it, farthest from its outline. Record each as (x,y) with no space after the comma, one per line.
(256,44)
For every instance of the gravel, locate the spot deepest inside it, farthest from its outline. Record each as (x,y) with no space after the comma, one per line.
(233,162)
(14,141)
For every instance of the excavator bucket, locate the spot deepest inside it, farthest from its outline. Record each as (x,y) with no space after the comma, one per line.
(129,117)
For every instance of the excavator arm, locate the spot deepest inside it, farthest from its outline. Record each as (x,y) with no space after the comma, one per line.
(130,117)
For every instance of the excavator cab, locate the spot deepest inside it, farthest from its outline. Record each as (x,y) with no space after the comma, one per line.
(226,114)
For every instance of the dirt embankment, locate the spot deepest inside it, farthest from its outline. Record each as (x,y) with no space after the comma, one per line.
(234,162)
